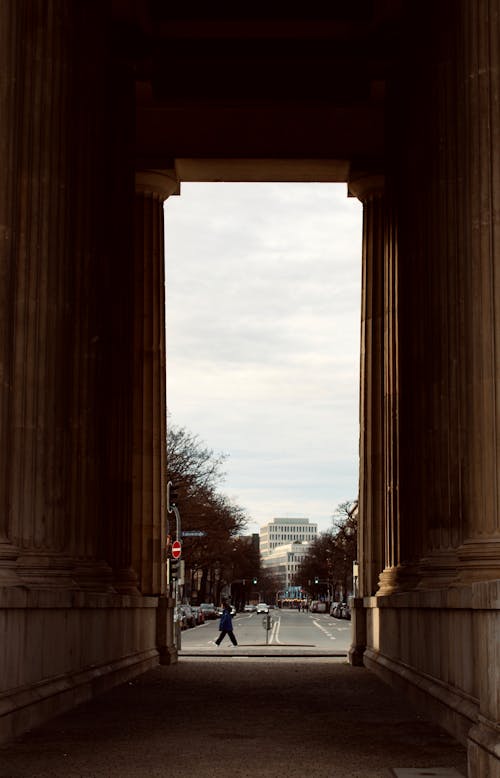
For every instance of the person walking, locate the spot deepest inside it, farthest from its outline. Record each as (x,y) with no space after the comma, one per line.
(226,625)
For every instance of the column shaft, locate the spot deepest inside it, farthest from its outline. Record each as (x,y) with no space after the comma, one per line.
(10,36)
(432,415)
(371,478)
(52,154)
(480,26)
(149,498)
(391,392)
(433,301)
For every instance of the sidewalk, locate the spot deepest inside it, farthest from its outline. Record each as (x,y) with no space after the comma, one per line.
(238,716)
(262,650)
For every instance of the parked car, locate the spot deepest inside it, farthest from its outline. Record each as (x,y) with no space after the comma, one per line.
(188,615)
(220,609)
(250,608)
(317,606)
(340,610)
(208,609)
(198,614)
(262,607)
(180,617)
(346,611)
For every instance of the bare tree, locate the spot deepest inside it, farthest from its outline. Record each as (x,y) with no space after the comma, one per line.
(331,556)
(196,471)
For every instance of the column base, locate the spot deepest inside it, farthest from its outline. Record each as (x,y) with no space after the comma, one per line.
(402,578)
(358,623)
(125,581)
(479,560)
(46,571)
(168,654)
(94,576)
(438,571)
(8,563)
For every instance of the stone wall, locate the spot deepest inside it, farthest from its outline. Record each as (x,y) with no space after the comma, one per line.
(59,649)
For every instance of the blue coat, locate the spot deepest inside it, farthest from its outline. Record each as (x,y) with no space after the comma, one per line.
(226,622)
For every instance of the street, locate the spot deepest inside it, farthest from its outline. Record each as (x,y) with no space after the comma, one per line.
(290,629)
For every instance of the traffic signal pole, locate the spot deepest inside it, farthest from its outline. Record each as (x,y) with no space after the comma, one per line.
(173,582)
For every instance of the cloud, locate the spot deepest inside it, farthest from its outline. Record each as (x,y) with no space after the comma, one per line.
(263,295)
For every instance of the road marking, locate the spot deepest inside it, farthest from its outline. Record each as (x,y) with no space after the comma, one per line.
(278,624)
(321,627)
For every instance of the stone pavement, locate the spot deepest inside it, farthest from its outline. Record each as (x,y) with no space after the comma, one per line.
(239,716)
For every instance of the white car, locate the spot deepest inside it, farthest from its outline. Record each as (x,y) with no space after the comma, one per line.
(262,608)
(220,610)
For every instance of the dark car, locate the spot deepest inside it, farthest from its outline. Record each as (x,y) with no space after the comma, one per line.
(198,614)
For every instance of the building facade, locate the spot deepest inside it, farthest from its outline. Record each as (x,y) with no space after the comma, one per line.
(280,532)
(284,562)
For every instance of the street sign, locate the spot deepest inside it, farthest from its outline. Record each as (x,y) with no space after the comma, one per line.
(193,533)
(176,549)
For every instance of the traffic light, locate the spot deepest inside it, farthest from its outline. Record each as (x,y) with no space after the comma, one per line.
(316,579)
(172,496)
(172,570)
(254,581)
(175,571)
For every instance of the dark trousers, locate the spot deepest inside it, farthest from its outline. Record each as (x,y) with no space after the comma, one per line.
(223,634)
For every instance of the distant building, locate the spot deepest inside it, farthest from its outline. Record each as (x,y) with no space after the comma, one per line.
(285,561)
(281,532)
(284,543)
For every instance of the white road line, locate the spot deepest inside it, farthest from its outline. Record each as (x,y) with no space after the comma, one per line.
(278,625)
(320,626)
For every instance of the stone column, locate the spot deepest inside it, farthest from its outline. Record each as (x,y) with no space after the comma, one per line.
(372,494)
(49,337)
(55,142)
(479,554)
(149,450)
(392,531)
(431,245)
(10,36)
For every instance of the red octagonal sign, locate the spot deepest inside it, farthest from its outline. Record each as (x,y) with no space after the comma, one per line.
(176,549)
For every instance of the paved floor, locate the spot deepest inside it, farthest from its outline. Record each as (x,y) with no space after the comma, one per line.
(236,717)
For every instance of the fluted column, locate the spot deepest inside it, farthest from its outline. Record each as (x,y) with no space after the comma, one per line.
(480,23)
(369,189)
(10,35)
(38,141)
(53,149)
(149,483)
(393,529)
(434,298)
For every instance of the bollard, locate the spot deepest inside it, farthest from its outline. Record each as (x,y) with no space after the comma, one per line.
(267,623)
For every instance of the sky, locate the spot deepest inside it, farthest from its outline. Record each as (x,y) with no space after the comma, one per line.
(263,337)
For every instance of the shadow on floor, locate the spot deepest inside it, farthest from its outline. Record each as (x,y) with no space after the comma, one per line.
(237,717)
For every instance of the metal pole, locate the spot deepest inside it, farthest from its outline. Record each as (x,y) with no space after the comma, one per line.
(178,530)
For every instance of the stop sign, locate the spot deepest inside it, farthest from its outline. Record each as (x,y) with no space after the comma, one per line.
(176,549)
